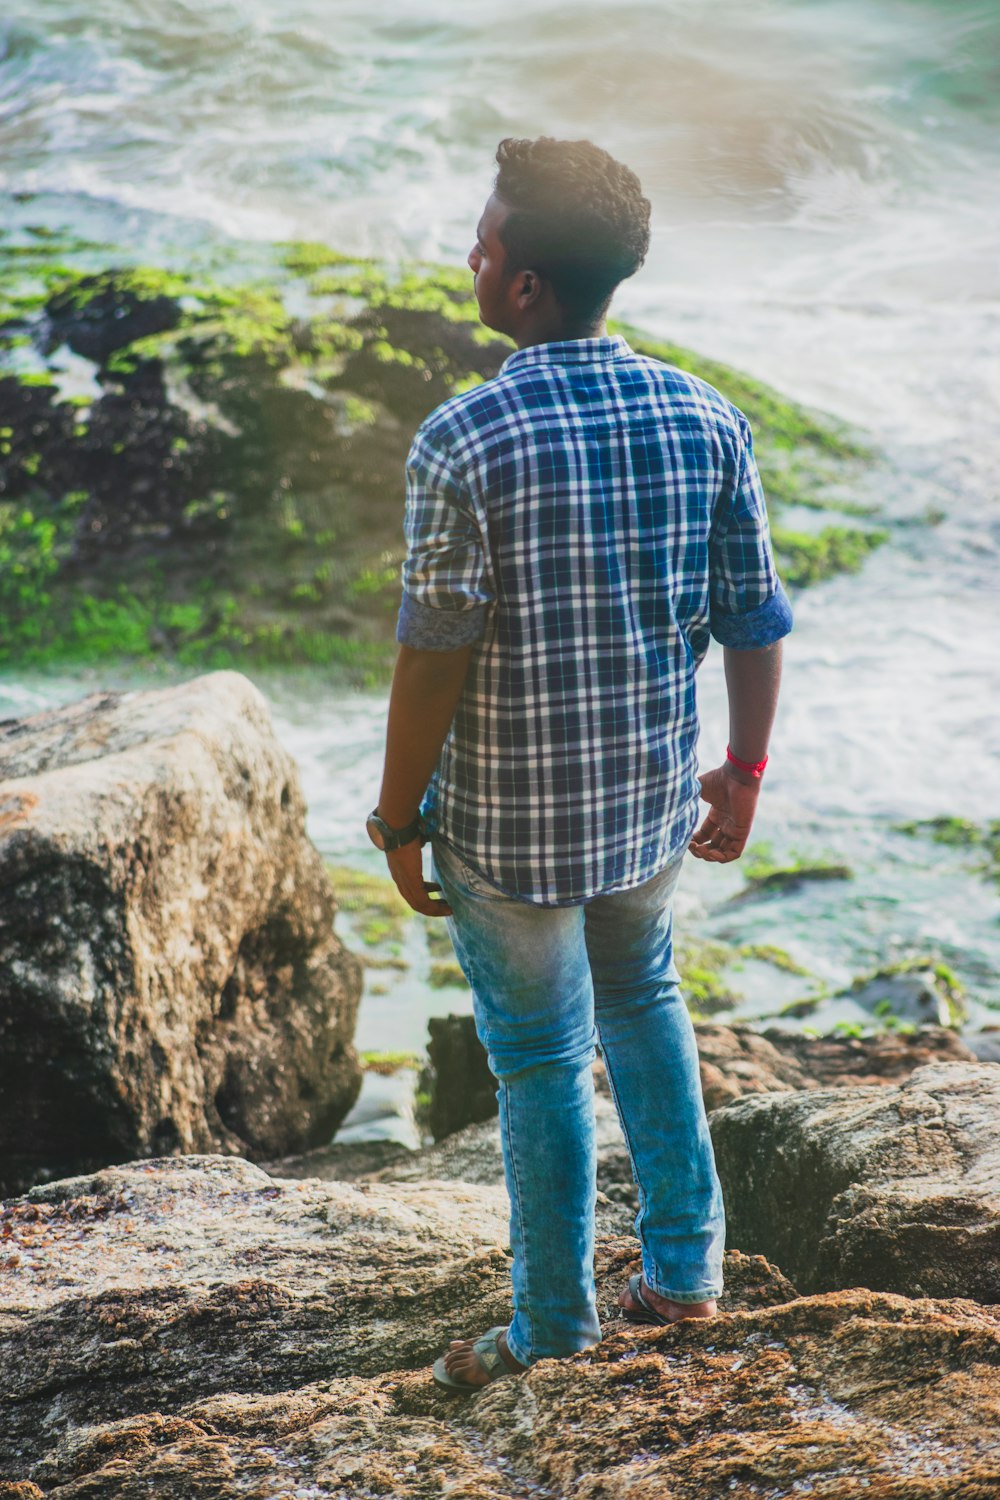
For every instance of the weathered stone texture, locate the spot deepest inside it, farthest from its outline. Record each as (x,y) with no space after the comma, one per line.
(191,1327)
(169,975)
(893,1188)
(737,1060)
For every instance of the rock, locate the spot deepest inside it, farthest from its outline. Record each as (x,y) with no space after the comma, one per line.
(985,1044)
(895,1188)
(98,314)
(462,1089)
(237,479)
(909,994)
(162,1281)
(473,1155)
(285,1354)
(737,1060)
(169,974)
(341,1163)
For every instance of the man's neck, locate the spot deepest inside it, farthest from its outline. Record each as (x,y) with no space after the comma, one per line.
(553,334)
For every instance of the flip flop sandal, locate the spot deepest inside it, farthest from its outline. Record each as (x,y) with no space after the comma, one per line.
(489,1356)
(650,1315)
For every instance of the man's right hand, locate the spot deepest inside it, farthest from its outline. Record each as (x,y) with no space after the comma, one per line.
(732,798)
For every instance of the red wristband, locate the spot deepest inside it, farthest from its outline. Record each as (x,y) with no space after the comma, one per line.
(746,765)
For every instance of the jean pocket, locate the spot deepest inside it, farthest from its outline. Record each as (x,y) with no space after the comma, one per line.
(462,874)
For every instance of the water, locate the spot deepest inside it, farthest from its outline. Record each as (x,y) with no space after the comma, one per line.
(824,185)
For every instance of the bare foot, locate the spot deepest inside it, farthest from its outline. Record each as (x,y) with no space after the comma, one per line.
(673,1311)
(462,1363)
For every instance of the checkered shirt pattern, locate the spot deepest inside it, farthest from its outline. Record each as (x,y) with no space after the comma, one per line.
(586,520)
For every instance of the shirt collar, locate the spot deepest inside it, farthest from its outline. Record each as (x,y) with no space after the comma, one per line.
(570,352)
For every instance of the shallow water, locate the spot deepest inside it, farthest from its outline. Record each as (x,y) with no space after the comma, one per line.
(823,178)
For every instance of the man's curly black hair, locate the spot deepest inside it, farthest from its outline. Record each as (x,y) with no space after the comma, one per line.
(577,217)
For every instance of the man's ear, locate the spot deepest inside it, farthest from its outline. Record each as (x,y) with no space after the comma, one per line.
(529,288)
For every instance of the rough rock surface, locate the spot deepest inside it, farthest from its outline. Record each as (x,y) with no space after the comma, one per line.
(169,975)
(892,1188)
(735,1060)
(467,1091)
(474,1155)
(191,1327)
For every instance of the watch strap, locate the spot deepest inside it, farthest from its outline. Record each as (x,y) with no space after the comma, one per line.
(395,838)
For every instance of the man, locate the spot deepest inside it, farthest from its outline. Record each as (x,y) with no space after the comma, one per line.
(576,529)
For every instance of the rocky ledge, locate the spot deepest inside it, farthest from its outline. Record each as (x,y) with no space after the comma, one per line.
(196,1327)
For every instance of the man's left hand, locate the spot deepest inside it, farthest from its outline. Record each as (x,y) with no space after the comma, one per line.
(406,866)
(732,798)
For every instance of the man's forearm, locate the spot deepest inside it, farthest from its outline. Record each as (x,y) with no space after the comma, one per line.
(752,680)
(426,687)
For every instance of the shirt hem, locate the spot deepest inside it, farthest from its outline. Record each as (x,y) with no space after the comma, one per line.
(674,851)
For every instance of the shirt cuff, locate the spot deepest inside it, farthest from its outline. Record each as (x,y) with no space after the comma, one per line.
(761,626)
(428,629)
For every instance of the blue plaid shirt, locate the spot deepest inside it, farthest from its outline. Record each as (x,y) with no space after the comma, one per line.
(586,519)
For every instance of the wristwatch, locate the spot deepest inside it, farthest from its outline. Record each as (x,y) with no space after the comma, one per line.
(387,838)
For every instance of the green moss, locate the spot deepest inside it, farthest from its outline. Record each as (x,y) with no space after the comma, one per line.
(445,975)
(962,833)
(80,288)
(375,903)
(803,1007)
(466,383)
(33,377)
(388,354)
(227,332)
(849,1029)
(388,1063)
(247,318)
(701,963)
(805,558)
(306,256)
(768,953)
(982,839)
(763,872)
(359,413)
(373,581)
(946,982)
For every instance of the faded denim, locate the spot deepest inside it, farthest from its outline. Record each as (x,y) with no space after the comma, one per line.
(548,983)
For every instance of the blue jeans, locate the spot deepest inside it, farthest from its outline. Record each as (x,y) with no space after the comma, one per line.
(547,984)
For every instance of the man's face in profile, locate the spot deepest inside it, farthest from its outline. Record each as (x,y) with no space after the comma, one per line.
(488,263)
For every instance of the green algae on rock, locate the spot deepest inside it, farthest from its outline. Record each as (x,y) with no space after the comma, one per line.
(982,839)
(227,487)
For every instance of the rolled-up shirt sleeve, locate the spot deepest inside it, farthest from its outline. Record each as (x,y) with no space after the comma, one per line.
(748,605)
(447,589)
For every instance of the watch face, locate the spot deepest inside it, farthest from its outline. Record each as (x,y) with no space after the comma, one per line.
(375,834)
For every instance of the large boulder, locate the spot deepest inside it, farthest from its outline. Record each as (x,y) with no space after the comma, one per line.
(894,1188)
(193,1327)
(169,975)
